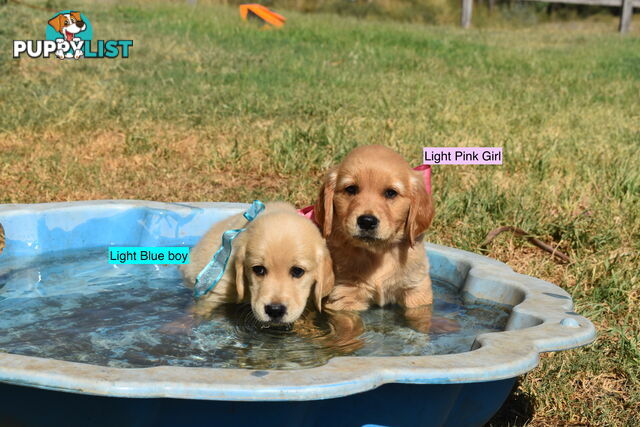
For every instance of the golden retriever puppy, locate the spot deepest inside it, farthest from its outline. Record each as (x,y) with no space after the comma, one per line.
(373,210)
(275,264)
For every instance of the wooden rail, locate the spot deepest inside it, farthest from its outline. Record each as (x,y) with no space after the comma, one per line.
(625,18)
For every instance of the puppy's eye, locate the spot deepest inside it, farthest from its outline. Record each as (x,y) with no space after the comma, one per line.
(259,270)
(390,193)
(66,22)
(352,189)
(296,272)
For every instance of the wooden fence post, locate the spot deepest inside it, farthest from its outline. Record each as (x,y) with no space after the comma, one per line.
(625,17)
(467,7)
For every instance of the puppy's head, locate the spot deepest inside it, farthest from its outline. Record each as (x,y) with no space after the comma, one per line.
(374,199)
(282,261)
(68,24)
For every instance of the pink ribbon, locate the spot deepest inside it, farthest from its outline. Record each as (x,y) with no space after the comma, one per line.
(307,212)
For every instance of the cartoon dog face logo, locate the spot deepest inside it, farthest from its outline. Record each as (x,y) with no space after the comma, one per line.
(68,24)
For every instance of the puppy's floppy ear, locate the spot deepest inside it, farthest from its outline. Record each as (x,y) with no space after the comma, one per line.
(57,22)
(323,210)
(325,278)
(421,210)
(239,267)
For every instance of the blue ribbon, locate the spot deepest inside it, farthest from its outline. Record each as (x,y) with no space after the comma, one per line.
(209,277)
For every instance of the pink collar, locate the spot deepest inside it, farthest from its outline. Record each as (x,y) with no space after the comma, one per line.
(426,176)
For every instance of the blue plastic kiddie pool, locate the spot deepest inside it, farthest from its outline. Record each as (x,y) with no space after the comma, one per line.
(83,343)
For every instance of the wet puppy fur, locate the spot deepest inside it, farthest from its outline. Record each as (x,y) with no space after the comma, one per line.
(276,264)
(373,210)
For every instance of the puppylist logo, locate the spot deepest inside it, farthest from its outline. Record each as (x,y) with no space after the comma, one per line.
(69,35)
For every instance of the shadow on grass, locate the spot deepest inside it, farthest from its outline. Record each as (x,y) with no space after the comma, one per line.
(517,410)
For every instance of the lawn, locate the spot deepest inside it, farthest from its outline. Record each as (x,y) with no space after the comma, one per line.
(208,108)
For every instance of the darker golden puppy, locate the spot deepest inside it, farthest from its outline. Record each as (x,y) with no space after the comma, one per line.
(373,209)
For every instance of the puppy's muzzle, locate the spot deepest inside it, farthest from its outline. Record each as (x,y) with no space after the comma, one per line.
(80,24)
(275,311)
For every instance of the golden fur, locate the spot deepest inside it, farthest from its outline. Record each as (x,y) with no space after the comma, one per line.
(388,264)
(278,240)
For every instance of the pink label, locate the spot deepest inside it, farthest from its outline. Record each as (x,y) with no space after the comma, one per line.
(462,155)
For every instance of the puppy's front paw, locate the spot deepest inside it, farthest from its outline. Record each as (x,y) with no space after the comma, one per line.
(419,318)
(79,54)
(347,305)
(346,329)
(60,54)
(419,296)
(347,298)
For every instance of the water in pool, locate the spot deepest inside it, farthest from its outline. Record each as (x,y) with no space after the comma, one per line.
(77,307)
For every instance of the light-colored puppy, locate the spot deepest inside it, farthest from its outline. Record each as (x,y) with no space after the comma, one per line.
(275,265)
(373,209)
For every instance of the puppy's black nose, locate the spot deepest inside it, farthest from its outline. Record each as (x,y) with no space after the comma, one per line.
(275,311)
(367,222)
(80,24)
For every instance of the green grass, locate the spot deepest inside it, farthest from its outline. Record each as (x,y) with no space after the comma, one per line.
(208,108)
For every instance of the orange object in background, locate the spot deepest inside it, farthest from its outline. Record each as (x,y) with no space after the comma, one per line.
(266,16)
